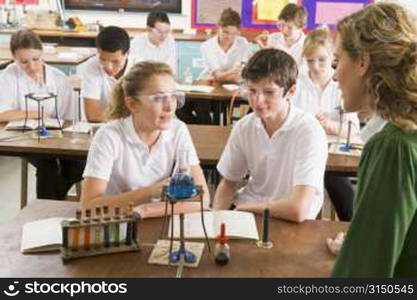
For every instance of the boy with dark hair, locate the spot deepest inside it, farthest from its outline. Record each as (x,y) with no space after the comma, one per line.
(291,21)
(156,16)
(101,72)
(283,149)
(157,43)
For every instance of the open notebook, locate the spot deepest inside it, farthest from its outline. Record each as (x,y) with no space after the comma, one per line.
(33,124)
(84,127)
(195,88)
(239,224)
(42,235)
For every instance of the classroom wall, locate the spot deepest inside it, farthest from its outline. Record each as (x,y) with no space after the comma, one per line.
(136,19)
(125,19)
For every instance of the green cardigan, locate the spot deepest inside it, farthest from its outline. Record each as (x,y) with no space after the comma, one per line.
(382,238)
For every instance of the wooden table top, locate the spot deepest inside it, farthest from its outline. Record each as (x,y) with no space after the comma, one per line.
(209,142)
(60,55)
(342,163)
(219,93)
(178,34)
(299,251)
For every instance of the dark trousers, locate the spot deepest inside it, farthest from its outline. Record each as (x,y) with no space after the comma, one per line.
(195,113)
(341,194)
(54,177)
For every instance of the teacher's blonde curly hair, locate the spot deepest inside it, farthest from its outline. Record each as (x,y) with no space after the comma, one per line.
(388,34)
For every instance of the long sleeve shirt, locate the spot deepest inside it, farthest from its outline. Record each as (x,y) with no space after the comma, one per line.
(382,238)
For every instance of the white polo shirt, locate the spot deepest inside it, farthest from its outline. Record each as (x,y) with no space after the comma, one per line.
(215,58)
(373,126)
(276,40)
(118,156)
(15,84)
(310,98)
(141,49)
(296,154)
(96,84)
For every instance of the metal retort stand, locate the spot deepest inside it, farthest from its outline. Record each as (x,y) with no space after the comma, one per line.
(41,130)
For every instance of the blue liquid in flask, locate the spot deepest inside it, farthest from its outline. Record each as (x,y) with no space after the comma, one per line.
(182,186)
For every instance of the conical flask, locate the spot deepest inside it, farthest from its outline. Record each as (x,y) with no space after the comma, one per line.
(181,185)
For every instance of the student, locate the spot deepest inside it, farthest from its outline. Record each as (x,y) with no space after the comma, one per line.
(225,53)
(291,20)
(376,71)
(30,74)
(133,156)
(100,73)
(224,56)
(157,43)
(318,94)
(283,149)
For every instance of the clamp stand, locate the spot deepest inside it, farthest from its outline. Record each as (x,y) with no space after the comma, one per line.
(182,255)
(41,129)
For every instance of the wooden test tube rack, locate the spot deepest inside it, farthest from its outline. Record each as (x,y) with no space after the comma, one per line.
(99,235)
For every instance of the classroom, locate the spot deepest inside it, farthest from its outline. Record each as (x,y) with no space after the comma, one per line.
(237,138)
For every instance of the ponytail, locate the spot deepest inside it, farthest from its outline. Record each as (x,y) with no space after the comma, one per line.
(117,108)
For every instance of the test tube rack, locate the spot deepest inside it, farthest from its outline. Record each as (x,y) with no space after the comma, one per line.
(99,235)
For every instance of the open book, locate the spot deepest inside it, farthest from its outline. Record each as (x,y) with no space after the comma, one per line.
(84,127)
(33,124)
(42,235)
(239,224)
(195,88)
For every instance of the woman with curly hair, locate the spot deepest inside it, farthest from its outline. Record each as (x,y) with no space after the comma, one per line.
(376,67)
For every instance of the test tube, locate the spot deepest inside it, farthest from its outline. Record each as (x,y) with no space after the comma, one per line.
(135,227)
(106,226)
(87,229)
(76,231)
(97,228)
(129,229)
(65,237)
(265,243)
(116,226)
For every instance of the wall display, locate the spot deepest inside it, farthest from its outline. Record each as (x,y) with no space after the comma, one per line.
(263,14)
(171,6)
(329,12)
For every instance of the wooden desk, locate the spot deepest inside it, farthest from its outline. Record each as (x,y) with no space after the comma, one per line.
(178,34)
(342,164)
(83,34)
(87,38)
(299,251)
(208,140)
(219,98)
(77,55)
(219,93)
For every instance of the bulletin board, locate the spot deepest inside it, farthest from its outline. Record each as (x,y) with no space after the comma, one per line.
(255,14)
(263,14)
(329,12)
(25,2)
(170,6)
